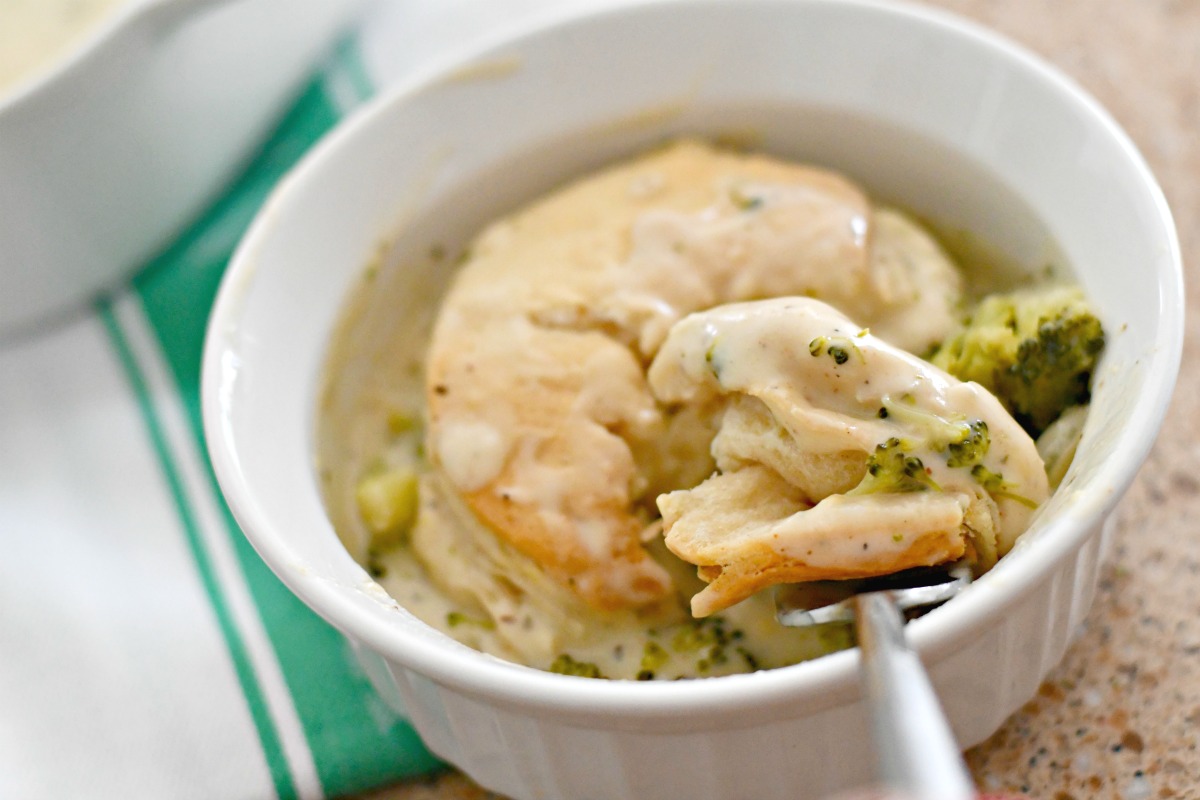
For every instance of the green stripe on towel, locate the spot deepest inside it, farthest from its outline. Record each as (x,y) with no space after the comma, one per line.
(272,747)
(356,742)
(347,83)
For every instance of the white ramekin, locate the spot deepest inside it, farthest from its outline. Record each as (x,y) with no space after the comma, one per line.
(926,110)
(108,151)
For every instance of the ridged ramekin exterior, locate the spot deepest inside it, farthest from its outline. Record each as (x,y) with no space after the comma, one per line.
(531,752)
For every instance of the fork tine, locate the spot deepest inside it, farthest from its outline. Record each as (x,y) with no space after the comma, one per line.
(822,602)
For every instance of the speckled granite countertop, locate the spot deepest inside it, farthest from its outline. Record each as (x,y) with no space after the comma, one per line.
(1120,717)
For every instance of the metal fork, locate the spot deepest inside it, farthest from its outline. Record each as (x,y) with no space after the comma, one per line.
(917,753)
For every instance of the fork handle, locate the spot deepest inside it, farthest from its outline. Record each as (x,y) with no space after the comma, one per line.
(917,751)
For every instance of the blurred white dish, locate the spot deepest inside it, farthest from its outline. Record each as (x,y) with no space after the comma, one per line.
(108,149)
(925,110)
(36,33)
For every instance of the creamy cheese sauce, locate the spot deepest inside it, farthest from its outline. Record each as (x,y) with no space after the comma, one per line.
(474,453)
(765,349)
(829,387)
(590,312)
(662,646)
(34,33)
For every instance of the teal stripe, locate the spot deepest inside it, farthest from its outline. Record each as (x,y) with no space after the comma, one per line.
(357,743)
(349,59)
(268,736)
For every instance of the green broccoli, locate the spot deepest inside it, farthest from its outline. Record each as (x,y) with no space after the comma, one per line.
(456,618)
(891,469)
(387,503)
(995,485)
(1035,349)
(564,664)
(966,440)
(972,448)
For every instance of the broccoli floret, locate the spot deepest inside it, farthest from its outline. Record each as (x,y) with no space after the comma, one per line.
(972,448)
(654,655)
(891,469)
(564,664)
(1035,349)
(387,503)
(995,485)
(966,441)
(456,618)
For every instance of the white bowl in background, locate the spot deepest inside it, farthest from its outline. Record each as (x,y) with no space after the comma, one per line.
(106,152)
(926,110)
